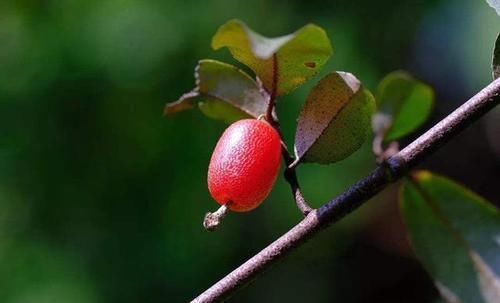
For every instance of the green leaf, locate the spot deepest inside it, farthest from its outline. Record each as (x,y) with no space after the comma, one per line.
(335,120)
(404,104)
(222,92)
(495,4)
(281,63)
(456,235)
(496,59)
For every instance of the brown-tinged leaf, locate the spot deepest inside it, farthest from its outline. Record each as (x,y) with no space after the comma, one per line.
(222,92)
(335,120)
(282,63)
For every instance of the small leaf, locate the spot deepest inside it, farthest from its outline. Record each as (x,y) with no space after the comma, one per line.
(335,119)
(223,92)
(496,59)
(456,235)
(406,101)
(495,4)
(281,63)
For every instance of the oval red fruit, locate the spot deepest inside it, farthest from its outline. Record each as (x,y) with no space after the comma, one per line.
(244,164)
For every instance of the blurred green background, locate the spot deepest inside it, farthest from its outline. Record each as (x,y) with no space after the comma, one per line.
(102,198)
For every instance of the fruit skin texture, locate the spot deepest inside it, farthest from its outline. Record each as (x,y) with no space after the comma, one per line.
(245,164)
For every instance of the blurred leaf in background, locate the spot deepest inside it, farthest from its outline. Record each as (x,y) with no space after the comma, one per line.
(455,234)
(496,59)
(406,102)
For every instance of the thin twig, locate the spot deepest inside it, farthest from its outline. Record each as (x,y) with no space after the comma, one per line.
(381,123)
(291,177)
(357,194)
(274,92)
(290,173)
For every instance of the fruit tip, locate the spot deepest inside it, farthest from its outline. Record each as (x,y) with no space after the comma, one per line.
(213,220)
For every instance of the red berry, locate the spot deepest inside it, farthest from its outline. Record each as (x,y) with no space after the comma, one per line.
(244,164)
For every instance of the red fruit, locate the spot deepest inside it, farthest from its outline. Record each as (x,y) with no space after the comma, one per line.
(244,164)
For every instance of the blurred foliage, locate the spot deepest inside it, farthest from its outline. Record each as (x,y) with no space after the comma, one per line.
(495,4)
(405,102)
(462,255)
(495,64)
(101,198)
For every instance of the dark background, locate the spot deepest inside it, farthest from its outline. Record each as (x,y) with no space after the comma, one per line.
(101,198)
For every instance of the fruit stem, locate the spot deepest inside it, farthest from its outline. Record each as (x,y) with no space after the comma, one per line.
(212,220)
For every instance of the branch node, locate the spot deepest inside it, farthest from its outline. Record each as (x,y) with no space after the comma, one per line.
(293,164)
(394,167)
(386,153)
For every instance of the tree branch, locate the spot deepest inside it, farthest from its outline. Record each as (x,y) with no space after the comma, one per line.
(393,169)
